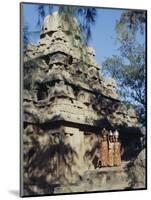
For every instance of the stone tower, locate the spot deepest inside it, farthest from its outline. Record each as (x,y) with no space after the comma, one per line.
(66,105)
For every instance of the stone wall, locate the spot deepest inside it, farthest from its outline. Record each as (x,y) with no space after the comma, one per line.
(66,105)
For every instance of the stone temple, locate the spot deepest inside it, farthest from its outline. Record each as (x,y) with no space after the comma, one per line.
(67,103)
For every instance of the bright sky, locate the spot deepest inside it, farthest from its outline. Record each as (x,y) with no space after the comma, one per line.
(103,32)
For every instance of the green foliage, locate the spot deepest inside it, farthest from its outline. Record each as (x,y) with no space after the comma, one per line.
(42,11)
(128,68)
(130,23)
(86,17)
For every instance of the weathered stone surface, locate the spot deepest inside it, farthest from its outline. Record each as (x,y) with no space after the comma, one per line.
(98,180)
(55,22)
(66,105)
(137,171)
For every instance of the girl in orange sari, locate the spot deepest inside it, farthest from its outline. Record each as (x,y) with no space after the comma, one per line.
(117,149)
(104,149)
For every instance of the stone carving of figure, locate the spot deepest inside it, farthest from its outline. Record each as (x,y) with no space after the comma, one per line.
(92,73)
(70,91)
(90,56)
(111,149)
(104,149)
(117,147)
(59,88)
(110,86)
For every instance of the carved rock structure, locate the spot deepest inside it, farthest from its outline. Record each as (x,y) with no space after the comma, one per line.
(66,105)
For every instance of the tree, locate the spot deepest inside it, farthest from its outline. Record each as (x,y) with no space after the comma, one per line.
(85,16)
(128,68)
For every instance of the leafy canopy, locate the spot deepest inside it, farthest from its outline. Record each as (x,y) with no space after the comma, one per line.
(128,67)
(86,18)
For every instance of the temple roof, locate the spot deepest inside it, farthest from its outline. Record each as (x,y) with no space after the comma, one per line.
(57,21)
(62,67)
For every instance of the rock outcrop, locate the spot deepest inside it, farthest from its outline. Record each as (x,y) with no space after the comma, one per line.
(137,171)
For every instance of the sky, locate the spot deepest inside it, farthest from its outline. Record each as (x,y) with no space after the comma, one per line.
(103,34)
(103,31)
